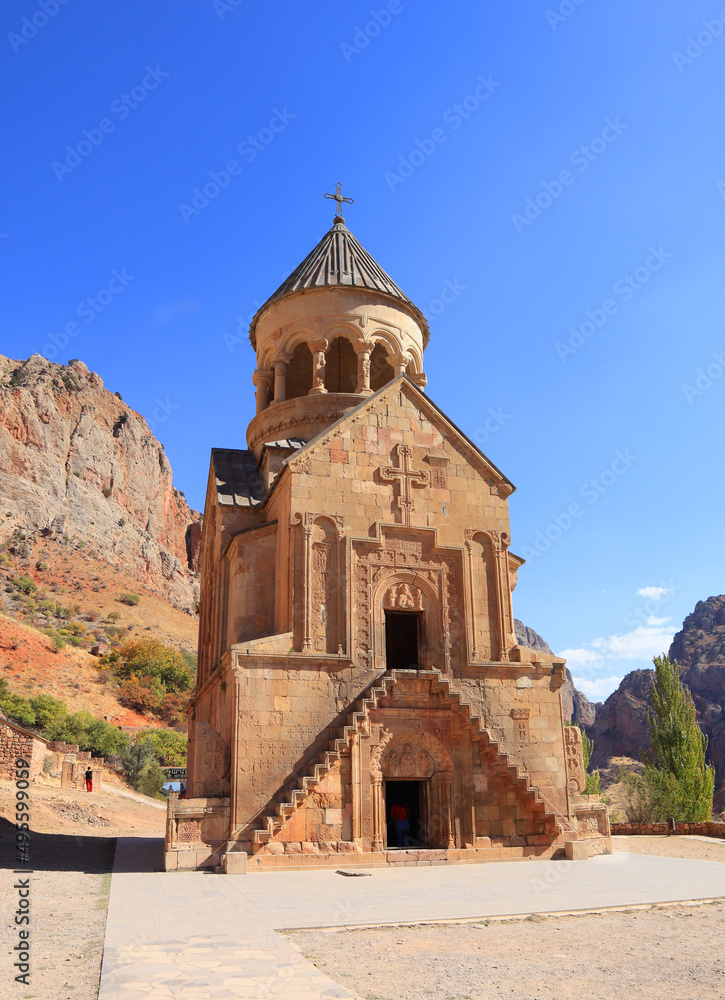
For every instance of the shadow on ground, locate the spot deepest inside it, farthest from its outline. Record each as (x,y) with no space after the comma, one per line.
(62,852)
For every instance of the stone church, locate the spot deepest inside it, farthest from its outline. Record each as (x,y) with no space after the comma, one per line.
(361,697)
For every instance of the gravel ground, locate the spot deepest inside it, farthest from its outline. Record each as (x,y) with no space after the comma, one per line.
(71,854)
(68,900)
(660,952)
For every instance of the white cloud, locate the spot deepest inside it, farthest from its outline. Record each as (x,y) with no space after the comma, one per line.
(655,593)
(591,665)
(597,690)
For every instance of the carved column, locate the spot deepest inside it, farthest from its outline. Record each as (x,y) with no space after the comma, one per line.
(506,574)
(307,638)
(363,369)
(475,655)
(280,363)
(503,653)
(399,363)
(262,379)
(448,813)
(378,813)
(318,348)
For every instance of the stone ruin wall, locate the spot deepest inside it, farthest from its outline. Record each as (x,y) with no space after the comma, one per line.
(14,745)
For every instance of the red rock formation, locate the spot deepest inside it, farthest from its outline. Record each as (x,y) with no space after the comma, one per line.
(76,461)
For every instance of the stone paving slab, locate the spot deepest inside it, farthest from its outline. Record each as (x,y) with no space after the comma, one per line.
(200,936)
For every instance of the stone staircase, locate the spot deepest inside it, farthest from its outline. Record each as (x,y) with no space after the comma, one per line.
(491,744)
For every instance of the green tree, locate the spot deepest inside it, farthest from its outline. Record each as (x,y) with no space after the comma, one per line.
(168,746)
(593,779)
(151,780)
(47,709)
(150,658)
(135,758)
(18,709)
(677,783)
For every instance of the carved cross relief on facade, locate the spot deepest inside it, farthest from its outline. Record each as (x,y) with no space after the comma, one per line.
(407,479)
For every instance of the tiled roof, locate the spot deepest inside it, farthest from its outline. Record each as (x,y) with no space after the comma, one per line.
(338,259)
(237,481)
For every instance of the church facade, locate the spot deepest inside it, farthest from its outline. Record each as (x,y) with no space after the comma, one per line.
(360,688)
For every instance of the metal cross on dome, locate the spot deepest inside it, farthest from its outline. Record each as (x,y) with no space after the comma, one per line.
(340,200)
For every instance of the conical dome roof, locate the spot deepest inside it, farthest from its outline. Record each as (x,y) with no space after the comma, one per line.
(339,259)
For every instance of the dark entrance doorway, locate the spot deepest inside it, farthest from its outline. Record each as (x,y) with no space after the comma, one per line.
(402,640)
(408,796)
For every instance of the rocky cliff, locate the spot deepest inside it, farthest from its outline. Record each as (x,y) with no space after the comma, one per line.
(620,728)
(78,465)
(699,648)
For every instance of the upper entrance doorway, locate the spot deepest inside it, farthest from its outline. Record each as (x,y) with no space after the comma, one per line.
(402,640)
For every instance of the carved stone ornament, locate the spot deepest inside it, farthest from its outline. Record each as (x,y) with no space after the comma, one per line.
(188,831)
(575,774)
(409,762)
(439,471)
(405,597)
(212,761)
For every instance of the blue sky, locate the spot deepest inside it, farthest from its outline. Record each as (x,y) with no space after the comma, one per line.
(567,178)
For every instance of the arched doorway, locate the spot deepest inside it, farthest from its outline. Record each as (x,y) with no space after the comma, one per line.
(417,779)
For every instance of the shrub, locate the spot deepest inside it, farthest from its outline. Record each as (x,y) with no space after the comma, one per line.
(130,599)
(96,735)
(151,658)
(58,643)
(107,491)
(18,709)
(23,583)
(113,616)
(146,694)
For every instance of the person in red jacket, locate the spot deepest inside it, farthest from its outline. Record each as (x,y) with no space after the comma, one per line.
(89,780)
(399,816)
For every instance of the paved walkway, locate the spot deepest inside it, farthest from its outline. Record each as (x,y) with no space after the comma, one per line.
(197,936)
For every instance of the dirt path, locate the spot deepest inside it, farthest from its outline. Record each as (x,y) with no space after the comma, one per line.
(71,854)
(663,953)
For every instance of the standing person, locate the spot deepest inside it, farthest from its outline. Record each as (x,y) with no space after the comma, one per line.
(89,780)
(399,816)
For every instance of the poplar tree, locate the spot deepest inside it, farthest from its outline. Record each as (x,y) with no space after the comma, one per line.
(679,782)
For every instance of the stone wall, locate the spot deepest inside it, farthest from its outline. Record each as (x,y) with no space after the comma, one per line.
(16,742)
(709,829)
